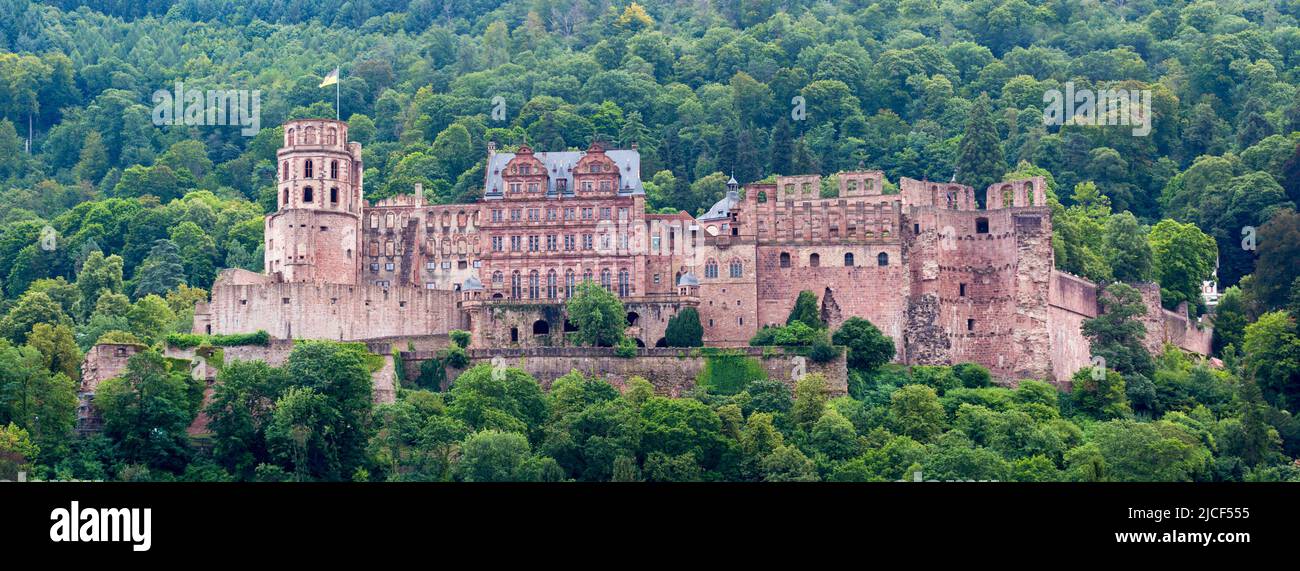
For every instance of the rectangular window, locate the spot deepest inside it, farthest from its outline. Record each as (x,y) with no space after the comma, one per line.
(962,290)
(586,241)
(551,243)
(496,216)
(515,243)
(534,243)
(498,244)
(515,214)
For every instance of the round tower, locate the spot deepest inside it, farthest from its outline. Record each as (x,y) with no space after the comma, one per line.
(313,235)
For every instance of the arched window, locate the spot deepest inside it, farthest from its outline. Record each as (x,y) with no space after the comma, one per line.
(307,169)
(534,285)
(498,279)
(306,194)
(737,268)
(624,283)
(882,259)
(848,259)
(550,285)
(710,269)
(814,260)
(334,195)
(289,138)
(785,259)
(284,170)
(374,220)
(309,136)
(285,200)
(516,286)
(331,136)
(334,169)
(569,283)
(604,279)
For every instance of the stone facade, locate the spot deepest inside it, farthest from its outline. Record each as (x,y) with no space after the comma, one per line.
(947,280)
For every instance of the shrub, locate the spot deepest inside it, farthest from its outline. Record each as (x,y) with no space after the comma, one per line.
(456,357)
(191,340)
(461,338)
(823,352)
(626,348)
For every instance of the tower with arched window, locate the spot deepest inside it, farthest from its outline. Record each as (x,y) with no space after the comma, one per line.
(313,234)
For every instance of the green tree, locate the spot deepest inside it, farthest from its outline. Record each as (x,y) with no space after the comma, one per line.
(598,314)
(146,411)
(93,164)
(1100,394)
(1279,247)
(1117,334)
(161,272)
(32,308)
(1184,257)
(684,329)
(1272,359)
(1230,320)
(242,405)
(99,275)
(58,347)
(806,311)
(1126,249)
(809,400)
(915,412)
(979,158)
(868,348)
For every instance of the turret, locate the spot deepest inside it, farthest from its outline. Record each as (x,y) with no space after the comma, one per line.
(313,234)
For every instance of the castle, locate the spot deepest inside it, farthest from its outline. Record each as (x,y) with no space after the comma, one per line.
(948,281)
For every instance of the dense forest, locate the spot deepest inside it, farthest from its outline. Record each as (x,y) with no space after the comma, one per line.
(112,226)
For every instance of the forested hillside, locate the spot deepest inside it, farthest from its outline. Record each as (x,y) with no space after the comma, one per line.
(113,225)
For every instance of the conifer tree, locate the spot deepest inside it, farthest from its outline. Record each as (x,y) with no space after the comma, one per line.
(979,158)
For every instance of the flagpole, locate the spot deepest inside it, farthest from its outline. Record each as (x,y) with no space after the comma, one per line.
(337,113)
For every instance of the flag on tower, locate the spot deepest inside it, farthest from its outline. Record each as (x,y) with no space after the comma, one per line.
(331,79)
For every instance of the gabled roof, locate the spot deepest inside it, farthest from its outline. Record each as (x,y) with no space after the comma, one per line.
(559,165)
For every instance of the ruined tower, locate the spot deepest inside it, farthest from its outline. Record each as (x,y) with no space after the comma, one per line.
(312,237)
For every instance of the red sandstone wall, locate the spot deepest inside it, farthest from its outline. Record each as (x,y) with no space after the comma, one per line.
(331,311)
